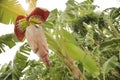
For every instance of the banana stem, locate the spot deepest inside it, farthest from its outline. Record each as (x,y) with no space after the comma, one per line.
(75,70)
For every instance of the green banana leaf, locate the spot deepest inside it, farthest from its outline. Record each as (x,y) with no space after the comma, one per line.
(9,10)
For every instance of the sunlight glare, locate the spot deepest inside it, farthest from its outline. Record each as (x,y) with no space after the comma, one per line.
(24,4)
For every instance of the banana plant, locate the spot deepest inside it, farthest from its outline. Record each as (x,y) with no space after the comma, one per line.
(85,42)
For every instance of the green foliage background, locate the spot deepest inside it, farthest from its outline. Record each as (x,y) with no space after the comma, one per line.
(91,39)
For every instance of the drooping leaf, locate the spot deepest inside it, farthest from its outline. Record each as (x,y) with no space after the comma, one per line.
(78,54)
(20,61)
(108,43)
(109,64)
(6,71)
(9,10)
(7,40)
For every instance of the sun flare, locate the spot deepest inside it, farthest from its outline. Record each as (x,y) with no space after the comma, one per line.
(24,4)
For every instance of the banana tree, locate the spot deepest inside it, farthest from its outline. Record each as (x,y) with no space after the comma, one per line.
(30,26)
(77,38)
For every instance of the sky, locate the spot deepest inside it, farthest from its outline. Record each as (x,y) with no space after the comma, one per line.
(50,5)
